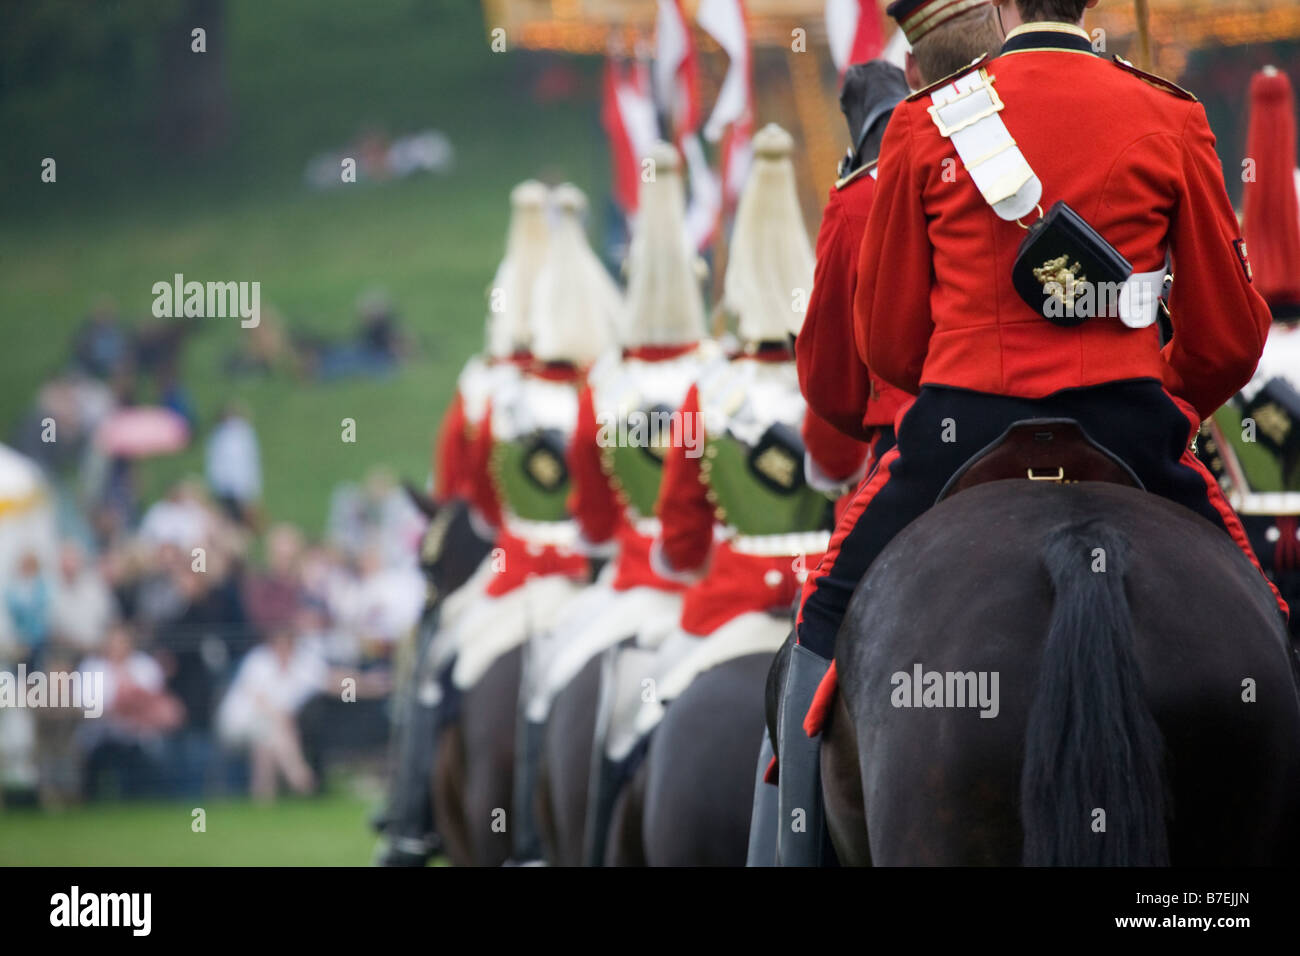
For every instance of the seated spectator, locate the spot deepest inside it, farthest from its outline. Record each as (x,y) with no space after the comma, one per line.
(58,757)
(194,647)
(377,512)
(274,596)
(157,345)
(234,464)
(259,711)
(266,349)
(28,603)
(378,347)
(181,519)
(85,607)
(173,395)
(100,347)
(124,745)
(381,606)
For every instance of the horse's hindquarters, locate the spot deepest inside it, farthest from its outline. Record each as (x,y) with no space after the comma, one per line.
(700,768)
(942,656)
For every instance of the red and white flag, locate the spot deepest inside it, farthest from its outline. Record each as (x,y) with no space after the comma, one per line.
(733,113)
(896,49)
(854,31)
(724,20)
(676,72)
(628,115)
(677,92)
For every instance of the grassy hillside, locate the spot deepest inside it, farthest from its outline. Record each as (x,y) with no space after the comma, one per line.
(306,76)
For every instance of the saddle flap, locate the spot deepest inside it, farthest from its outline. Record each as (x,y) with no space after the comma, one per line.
(1042,449)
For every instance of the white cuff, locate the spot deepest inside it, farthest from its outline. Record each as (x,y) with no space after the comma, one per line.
(825,483)
(660,566)
(592,549)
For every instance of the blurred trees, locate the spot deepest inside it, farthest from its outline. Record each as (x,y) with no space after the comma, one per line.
(130,58)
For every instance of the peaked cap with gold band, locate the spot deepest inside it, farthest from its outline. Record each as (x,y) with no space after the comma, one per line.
(916,18)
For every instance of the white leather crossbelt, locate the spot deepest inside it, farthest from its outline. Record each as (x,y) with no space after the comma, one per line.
(966,112)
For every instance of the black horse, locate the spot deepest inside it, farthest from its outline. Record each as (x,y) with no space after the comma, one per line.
(1146,706)
(696,793)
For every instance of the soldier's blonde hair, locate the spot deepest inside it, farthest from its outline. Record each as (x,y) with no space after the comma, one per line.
(770,266)
(664,302)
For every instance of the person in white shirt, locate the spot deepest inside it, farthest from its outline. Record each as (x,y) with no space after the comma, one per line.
(181,519)
(84,610)
(258,712)
(234,463)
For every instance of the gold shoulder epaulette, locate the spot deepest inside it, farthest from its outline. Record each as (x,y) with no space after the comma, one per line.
(949,78)
(1159,82)
(853,176)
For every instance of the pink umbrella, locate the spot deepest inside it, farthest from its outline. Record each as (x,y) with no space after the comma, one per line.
(141,432)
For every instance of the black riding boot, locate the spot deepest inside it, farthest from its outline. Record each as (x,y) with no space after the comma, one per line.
(765,817)
(800,815)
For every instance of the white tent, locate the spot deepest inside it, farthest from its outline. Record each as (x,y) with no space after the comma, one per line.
(26,516)
(27,526)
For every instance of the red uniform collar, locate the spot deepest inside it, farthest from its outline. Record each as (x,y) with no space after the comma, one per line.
(522,359)
(555,371)
(658,353)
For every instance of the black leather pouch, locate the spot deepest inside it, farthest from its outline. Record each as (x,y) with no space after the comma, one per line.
(1060,255)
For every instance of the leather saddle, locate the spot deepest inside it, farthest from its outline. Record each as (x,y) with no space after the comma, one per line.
(1041,449)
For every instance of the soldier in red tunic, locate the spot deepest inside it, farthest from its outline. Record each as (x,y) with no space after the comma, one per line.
(741,517)
(941,309)
(834,380)
(945,37)
(523,477)
(616,464)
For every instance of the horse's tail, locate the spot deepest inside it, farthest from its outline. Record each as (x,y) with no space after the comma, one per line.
(1092,788)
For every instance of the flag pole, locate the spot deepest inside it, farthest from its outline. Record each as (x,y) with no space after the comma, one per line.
(1142,12)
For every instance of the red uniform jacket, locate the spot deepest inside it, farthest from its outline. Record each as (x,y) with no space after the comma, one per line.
(935,303)
(451,452)
(834,380)
(596,507)
(732,583)
(521,559)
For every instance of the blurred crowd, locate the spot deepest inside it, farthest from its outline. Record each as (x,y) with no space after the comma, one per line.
(237,654)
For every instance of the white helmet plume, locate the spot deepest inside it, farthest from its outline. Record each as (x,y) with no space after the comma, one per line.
(770,266)
(576,307)
(664,301)
(512,288)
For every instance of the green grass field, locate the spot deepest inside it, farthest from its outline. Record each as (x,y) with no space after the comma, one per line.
(330,830)
(305,77)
